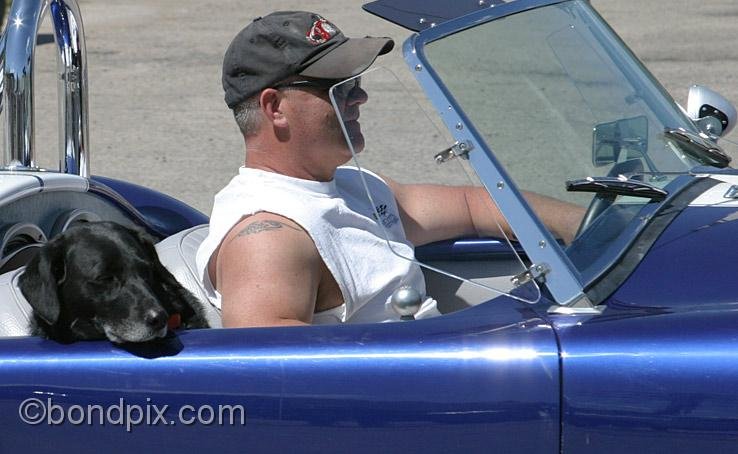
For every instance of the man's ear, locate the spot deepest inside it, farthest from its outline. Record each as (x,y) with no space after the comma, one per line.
(39,283)
(270,101)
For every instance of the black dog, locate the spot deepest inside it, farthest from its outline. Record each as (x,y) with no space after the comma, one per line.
(100,279)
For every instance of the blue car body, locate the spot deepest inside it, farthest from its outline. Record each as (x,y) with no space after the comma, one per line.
(639,358)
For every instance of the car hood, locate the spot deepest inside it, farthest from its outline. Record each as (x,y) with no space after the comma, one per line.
(692,261)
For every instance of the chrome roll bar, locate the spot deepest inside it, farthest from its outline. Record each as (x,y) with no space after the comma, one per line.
(17,52)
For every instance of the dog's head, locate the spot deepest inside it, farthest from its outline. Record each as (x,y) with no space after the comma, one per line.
(98,280)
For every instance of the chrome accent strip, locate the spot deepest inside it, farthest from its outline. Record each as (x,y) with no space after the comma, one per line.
(568,310)
(2,69)
(583,306)
(24,22)
(563,280)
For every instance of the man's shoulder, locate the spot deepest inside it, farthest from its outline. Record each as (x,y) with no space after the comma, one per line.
(349,172)
(268,233)
(351,179)
(265,221)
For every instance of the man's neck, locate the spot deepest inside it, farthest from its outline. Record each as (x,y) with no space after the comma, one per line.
(287,163)
(283,158)
(300,173)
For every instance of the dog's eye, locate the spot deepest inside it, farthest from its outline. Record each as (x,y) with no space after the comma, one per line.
(103,280)
(108,282)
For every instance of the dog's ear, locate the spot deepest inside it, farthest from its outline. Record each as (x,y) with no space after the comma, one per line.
(179,299)
(166,279)
(146,240)
(182,299)
(39,283)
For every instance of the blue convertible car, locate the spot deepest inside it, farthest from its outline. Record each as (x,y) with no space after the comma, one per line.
(623,340)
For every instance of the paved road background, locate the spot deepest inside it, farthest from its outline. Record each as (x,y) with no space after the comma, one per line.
(157,115)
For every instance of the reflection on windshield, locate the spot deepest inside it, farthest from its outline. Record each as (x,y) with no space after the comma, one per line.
(558,98)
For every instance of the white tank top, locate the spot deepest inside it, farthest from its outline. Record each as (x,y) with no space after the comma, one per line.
(340,220)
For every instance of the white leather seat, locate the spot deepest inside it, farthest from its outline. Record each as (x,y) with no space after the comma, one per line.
(15,312)
(177,254)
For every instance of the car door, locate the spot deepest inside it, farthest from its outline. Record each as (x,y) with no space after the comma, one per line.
(481,379)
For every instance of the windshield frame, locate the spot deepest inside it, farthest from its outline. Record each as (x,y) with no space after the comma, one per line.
(564,281)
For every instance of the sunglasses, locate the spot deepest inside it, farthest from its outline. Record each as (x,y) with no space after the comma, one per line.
(341,91)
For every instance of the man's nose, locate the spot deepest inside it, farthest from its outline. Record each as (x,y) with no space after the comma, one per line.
(357,96)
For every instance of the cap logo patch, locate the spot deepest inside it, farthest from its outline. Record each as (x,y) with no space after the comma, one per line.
(320,32)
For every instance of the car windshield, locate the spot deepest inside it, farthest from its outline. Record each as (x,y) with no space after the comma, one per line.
(558,98)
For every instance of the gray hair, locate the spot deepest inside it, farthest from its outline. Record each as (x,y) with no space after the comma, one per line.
(248,115)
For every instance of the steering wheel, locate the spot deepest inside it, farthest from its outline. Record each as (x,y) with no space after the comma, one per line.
(601,202)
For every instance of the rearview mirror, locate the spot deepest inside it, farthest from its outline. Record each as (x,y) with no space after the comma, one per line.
(610,140)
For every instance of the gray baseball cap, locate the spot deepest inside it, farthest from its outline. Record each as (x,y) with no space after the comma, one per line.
(287,43)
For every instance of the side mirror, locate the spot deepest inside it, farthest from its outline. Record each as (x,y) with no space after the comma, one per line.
(627,135)
(710,111)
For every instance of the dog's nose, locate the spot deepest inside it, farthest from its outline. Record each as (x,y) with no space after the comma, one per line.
(156,319)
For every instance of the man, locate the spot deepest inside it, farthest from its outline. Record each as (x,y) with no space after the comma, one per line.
(293,239)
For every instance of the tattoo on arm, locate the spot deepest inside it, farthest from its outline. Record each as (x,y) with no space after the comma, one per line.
(263,226)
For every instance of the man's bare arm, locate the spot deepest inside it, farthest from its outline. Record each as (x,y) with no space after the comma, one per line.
(433,213)
(562,218)
(267,272)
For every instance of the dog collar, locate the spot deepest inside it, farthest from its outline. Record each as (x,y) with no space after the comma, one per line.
(174,322)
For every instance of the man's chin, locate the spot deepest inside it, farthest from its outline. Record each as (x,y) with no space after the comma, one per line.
(357,143)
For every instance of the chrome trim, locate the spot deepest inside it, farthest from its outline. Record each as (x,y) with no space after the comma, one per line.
(562,281)
(583,306)
(27,236)
(18,230)
(568,310)
(2,69)
(65,220)
(20,34)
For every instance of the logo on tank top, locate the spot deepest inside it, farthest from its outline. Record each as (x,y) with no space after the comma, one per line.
(386,218)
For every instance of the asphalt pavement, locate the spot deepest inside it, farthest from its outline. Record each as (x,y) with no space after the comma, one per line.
(156,103)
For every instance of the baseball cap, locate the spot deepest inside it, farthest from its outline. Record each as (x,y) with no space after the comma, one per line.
(287,43)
